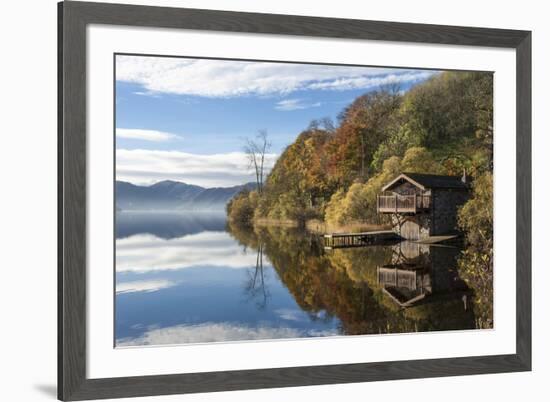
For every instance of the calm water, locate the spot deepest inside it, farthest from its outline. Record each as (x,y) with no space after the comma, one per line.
(187,278)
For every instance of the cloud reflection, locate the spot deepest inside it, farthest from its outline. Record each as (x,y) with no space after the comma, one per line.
(291,314)
(143,286)
(146,253)
(218,332)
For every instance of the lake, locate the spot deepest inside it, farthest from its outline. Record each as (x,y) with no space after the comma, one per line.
(192,278)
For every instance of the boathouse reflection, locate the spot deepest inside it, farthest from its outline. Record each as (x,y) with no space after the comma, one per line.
(420,272)
(403,287)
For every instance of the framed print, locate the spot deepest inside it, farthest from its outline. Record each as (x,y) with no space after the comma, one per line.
(254,201)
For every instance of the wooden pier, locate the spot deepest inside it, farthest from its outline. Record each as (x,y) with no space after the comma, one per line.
(345,240)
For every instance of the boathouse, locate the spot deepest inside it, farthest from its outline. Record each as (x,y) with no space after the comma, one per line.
(423,205)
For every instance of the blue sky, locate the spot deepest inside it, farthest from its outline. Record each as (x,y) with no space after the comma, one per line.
(187,119)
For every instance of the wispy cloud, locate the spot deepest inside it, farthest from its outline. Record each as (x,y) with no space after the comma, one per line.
(295,104)
(347,83)
(145,135)
(226,78)
(141,166)
(217,332)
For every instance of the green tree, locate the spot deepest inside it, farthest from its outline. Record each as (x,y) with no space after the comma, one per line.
(450,114)
(476,264)
(420,160)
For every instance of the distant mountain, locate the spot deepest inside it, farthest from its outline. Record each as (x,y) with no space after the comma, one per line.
(173,195)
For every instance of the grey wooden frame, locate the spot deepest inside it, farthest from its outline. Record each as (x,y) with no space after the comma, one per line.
(73,18)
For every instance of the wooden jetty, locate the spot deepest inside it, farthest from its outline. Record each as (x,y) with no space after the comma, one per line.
(449,239)
(344,240)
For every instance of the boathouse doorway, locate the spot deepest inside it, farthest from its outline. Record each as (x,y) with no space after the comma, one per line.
(410,229)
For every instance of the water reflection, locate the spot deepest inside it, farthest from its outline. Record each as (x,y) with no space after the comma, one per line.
(358,285)
(202,287)
(420,273)
(255,286)
(145,252)
(218,332)
(216,282)
(167,225)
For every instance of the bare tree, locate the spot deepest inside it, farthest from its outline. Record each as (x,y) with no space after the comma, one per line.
(392,88)
(256,150)
(324,123)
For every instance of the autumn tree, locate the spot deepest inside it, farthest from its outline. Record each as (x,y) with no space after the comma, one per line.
(297,186)
(335,171)
(364,125)
(358,203)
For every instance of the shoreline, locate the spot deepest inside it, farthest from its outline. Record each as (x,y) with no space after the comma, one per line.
(319,227)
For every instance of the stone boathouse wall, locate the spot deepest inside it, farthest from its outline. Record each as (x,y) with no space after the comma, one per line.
(440,219)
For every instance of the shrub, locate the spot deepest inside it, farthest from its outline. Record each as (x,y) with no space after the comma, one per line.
(476,263)
(240,209)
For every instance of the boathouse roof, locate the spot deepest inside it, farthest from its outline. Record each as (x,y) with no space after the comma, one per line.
(428,181)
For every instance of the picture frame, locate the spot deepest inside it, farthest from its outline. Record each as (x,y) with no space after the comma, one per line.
(73,20)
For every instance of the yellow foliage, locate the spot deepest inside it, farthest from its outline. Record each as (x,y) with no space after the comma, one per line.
(358,203)
(419,160)
(240,209)
(333,211)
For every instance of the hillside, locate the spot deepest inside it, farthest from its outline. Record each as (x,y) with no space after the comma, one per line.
(334,172)
(173,195)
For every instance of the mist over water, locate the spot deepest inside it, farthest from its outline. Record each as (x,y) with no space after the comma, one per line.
(169,224)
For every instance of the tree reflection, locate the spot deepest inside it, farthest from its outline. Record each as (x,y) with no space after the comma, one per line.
(344,283)
(477,270)
(255,286)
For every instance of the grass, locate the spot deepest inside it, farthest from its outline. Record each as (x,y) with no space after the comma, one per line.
(320,227)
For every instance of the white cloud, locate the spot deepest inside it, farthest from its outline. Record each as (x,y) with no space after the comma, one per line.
(146,135)
(141,166)
(143,286)
(346,83)
(146,253)
(217,332)
(295,104)
(225,78)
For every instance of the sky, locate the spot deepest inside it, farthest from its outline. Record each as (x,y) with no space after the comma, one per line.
(187,119)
